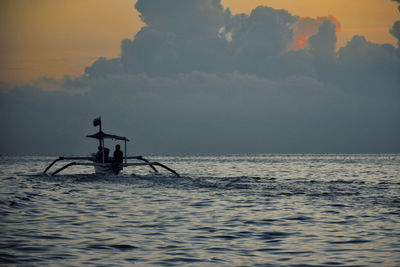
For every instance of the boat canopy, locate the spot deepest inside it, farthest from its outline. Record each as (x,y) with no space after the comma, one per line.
(102,135)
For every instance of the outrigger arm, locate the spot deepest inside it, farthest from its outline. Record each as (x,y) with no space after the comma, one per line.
(66,166)
(65,158)
(152,164)
(143,159)
(167,168)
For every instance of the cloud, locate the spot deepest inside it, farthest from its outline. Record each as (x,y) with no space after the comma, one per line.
(323,43)
(201,113)
(166,46)
(306,27)
(366,68)
(151,52)
(197,79)
(180,36)
(200,17)
(395,30)
(258,38)
(103,67)
(215,41)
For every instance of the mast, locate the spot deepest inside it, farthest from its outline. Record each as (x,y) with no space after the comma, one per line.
(97,122)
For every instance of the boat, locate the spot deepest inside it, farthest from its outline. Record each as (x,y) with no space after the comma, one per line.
(102,163)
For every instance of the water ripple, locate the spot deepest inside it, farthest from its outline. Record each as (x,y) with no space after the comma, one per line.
(250,210)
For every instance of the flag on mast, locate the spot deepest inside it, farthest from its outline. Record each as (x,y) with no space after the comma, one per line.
(97,122)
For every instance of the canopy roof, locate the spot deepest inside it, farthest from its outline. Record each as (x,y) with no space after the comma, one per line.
(102,135)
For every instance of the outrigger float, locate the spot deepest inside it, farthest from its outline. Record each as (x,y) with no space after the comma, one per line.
(105,165)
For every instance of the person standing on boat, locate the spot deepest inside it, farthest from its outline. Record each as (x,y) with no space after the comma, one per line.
(118,155)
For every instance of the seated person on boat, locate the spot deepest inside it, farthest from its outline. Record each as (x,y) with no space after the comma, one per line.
(118,159)
(99,154)
(118,156)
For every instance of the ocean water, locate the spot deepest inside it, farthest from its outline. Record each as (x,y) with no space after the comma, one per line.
(248,210)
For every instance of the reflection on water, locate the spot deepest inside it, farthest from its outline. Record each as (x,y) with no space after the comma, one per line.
(275,210)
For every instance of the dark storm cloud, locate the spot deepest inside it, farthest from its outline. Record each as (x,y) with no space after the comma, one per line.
(180,36)
(369,68)
(209,40)
(197,79)
(323,44)
(182,17)
(395,31)
(260,38)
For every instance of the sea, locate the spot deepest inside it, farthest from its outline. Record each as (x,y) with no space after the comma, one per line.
(233,210)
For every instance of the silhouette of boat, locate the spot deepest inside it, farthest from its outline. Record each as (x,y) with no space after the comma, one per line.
(105,165)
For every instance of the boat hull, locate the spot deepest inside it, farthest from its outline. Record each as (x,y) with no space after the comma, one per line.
(106,169)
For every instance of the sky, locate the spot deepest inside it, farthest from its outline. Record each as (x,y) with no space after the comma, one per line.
(55,38)
(201,76)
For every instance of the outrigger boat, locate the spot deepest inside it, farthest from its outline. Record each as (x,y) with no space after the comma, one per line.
(105,165)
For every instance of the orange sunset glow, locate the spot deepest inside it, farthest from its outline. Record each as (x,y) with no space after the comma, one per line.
(57,38)
(307,27)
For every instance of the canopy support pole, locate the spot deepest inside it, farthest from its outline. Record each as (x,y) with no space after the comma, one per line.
(102,140)
(126,160)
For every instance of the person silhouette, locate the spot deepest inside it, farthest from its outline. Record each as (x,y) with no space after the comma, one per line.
(99,154)
(118,159)
(118,156)
(106,153)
